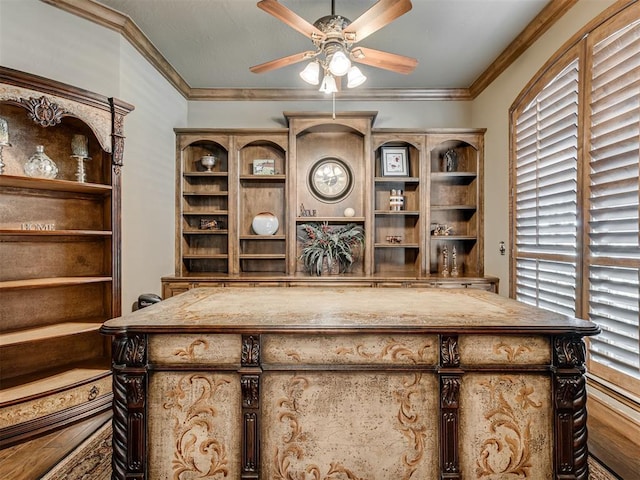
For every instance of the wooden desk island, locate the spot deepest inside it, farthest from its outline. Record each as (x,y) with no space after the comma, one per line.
(348,384)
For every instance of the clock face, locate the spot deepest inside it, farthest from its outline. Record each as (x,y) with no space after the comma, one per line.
(330,180)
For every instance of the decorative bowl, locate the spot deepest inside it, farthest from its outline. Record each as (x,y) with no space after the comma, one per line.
(265,223)
(208,162)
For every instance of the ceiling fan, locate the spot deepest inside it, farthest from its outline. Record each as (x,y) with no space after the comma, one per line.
(335,38)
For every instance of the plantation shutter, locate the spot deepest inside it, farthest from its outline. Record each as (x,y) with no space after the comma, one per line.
(613,201)
(546,201)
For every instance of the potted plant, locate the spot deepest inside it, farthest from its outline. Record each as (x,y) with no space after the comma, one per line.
(328,248)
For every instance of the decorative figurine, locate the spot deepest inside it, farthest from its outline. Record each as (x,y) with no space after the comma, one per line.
(396,200)
(454,262)
(445,261)
(450,160)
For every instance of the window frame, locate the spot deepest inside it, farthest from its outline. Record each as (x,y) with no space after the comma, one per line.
(580,47)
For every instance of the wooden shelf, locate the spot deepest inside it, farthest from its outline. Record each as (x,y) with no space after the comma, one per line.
(54,233)
(263,237)
(454,177)
(205,194)
(431,195)
(263,178)
(397,245)
(453,207)
(454,237)
(415,180)
(399,213)
(57,286)
(54,185)
(330,219)
(205,232)
(49,332)
(205,174)
(50,282)
(208,212)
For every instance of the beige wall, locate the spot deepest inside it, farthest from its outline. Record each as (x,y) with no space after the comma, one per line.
(40,39)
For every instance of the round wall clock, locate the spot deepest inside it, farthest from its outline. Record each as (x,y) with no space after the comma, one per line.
(330,180)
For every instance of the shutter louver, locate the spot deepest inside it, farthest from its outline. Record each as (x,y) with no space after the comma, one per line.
(613,233)
(546,168)
(546,284)
(613,305)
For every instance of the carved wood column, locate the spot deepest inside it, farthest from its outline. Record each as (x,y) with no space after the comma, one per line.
(570,413)
(250,385)
(450,378)
(129,407)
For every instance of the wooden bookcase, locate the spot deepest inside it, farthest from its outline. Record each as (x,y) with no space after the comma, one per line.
(60,255)
(402,247)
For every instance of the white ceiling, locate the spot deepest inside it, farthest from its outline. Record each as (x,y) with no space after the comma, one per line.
(212,43)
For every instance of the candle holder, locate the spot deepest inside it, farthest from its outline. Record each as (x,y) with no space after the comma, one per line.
(80,150)
(454,261)
(81,174)
(445,261)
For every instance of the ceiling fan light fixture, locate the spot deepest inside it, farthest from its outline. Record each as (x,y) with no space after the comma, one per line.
(328,84)
(339,64)
(355,77)
(311,73)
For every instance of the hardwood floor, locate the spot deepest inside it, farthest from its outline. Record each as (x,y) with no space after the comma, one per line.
(32,459)
(621,454)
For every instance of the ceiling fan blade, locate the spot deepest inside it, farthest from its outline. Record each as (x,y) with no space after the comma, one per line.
(283,62)
(385,60)
(292,19)
(379,15)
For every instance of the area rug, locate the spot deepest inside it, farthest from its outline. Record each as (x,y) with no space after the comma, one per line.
(91,460)
(598,472)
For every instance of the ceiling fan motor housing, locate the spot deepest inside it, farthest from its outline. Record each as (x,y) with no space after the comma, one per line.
(332,26)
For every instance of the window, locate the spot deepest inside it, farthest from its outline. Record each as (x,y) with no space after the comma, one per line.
(575,193)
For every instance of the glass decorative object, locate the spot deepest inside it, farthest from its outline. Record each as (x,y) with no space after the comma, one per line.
(80,146)
(80,150)
(40,165)
(4,140)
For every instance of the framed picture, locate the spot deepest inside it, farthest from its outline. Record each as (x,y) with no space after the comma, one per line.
(264,166)
(395,161)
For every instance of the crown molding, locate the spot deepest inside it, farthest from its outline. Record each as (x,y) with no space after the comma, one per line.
(123,24)
(374,94)
(119,22)
(550,14)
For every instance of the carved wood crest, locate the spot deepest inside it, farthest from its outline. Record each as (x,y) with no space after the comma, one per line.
(43,111)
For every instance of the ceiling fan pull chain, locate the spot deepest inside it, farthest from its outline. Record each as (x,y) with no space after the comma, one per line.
(333,100)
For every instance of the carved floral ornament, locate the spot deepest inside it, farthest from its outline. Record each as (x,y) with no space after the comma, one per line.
(43,111)
(48,111)
(198,452)
(289,457)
